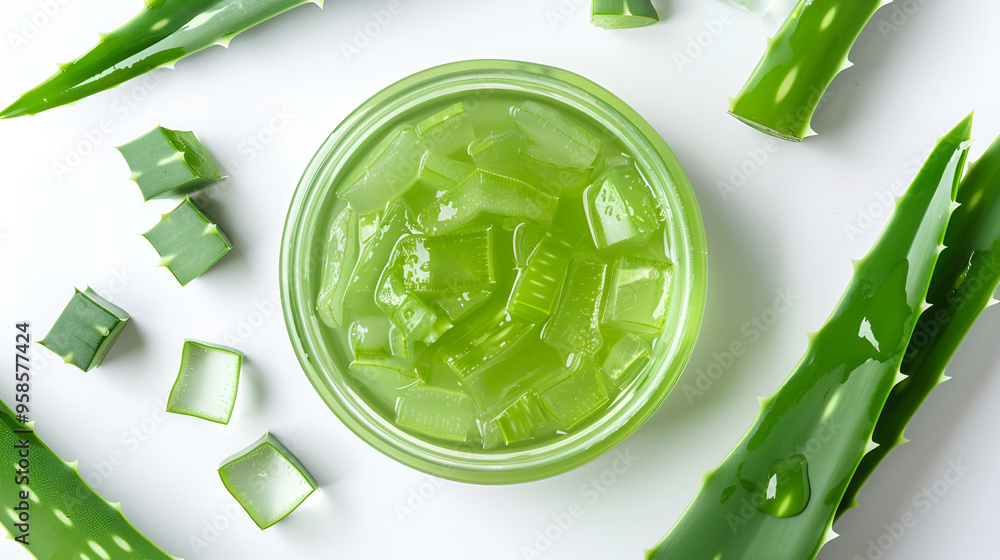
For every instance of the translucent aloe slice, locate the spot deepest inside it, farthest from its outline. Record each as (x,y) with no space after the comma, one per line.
(446,263)
(626,359)
(443,173)
(459,305)
(563,140)
(382,382)
(368,226)
(341,256)
(267,480)
(560,179)
(167,163)
(373,256)
(400,345)
(575,324)
(485,342)
(368,337)
(447,131)
(498,151)
(553,373)
(490,193)
(414,317)
(497,386)
(207,381)
(521,420)
(188,240)
(576,398)
(527,236)
(389,171)
(538,283)
(638,295)
(621,209)
(438,412)
(86,329)
(623,14)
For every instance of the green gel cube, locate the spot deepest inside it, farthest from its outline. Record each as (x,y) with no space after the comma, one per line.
(576,398)
(497,151)
(86,329)
(490,193)
(561,179)
(557,139)
(575,325)
(539,281)
(188,240)
(414,317)
(368,337)
(267,480)
(340,254)
(373,256)
(384,382)
(519,421)
(446,263)
(527,236)
(484,342)
(626,359)
(621,209)
(460,304)
(443,173)
(169,163)
(638,295)
(438,412)
(207,381)
(390,171)
(448,130)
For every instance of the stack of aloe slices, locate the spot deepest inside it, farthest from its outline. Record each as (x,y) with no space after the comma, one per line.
(465,242)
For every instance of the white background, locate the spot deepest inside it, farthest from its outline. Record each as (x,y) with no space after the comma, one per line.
(786,228)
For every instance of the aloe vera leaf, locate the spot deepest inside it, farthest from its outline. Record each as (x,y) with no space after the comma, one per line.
(206,382)
(801,61)
(759,7)
(565,141)
(447,131)
(527,236)
(163,33)
(167,163)
(621,209)
(576,398)
(441,172)
(627,358)
(493,194)
(188,241)
(575,325)
(438,412)
(86,329)
(386,174)
(446,263)
(382,382)
(964,281)
(484,342)
(414,317)
(67,518)
(834,394)
(497,151)
(623,14)
(520,421)
(638,295)
(538,284)
(459,305)
(563,180)
(340,257)
(267,480)
(373,256)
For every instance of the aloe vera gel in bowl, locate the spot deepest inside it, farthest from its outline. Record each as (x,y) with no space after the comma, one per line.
(493,271)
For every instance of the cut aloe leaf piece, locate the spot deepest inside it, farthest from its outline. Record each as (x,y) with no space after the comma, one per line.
(383,381)
(521,420)
(498,151)
(490,193)
(207,381)
(626,359)
(438,412)
(368,226)
(485,342)
(389,171)
(564,140)
(623,14)
(538,283)
(576,398)
(621,209)
(458,306)
(446,263)
(562,180)
(443,173)
(575,324)
(527,236)
(86,329)
(497,386)
(340,259)
(169,163)
(414,317)
(373,256)
(369,337)
(188,240)
(638,295)
(447,131)
(267,480)
(400,345)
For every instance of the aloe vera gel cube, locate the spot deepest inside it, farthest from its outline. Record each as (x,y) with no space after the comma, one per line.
(446,263)
(207,382)
(497,151)
(438,412)
(267,480)
(85,330)
(188,240)
(621,209)
(169,163)
(575,325)
(340,254)
(626,359)
(638,295)
(447,131)
(390,170)
(490,193)
(557,138)
(576,398)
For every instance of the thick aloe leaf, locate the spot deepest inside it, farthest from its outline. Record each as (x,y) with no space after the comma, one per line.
(965,279)
(163,33)
(86,329)
(66,518)
(767,499)
(801,61)
(623,14)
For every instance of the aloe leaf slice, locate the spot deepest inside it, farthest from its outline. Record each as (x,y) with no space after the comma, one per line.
(538,284)
(411,314)
(575,325)
(627,358)
(160,35)
(267,480)
(188,241)
(565,141)
(383,381)
(443,173)
(206,382)
(438,412)
(498,151)
(168,163)
(578,397)
(447,131)
(638,295)
(621,209)
(623,14)
(373,256)
(459,305)
(386,174)
(563,180)
(484,342)
(833,396)
(453,262)
(368,337)
(85,330)
(526,237)
(519,421)
(340,258)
